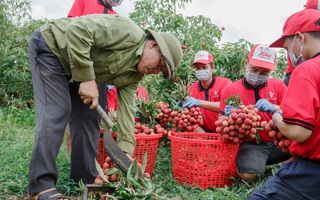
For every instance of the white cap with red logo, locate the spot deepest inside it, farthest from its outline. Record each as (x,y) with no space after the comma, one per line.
(263,56)
(203,57)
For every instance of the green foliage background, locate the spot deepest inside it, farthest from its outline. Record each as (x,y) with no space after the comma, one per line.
(15,30)
(193,31)
(17,122)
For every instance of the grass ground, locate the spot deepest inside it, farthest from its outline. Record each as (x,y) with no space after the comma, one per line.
(16,139)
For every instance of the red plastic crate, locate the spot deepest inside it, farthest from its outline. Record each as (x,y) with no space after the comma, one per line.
(102,153)
(147,144)
(144,144)
(202,159)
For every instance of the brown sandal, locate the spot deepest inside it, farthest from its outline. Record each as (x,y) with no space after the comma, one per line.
(50,195)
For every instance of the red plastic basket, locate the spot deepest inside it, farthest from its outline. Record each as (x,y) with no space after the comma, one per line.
(144,144)
(102,154)
(202,159)
(147,144)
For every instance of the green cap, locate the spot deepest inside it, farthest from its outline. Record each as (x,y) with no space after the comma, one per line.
(170,48)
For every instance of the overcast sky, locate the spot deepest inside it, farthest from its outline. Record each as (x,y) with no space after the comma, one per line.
(258,21)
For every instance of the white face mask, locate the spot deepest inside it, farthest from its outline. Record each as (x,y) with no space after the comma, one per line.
(296,60)
(114,3)
(256,79)
(203,75)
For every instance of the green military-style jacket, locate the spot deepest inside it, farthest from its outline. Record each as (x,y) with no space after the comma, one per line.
(105,48)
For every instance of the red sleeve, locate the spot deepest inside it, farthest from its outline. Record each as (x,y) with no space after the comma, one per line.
(142,93)
(300,103)
(225,93)
(76,9)
(112,99)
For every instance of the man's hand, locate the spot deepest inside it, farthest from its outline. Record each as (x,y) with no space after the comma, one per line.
(228,109)
(89,93)
(264,106)
(191,102)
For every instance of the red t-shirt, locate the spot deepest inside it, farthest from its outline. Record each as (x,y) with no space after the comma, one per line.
(301,106)
(273,91)
(112,96)
(84,7)
(213,94)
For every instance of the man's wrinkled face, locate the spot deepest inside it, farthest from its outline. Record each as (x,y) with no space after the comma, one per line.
(151,61)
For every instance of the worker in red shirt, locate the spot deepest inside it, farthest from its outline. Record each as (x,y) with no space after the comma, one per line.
(206,92)
(256,88)
(311,4)
(299,119)
(84,7)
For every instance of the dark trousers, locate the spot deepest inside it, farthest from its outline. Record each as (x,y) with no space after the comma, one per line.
(298,180)
(57,101)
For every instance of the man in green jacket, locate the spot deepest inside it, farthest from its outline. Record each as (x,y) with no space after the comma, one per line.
(74,54)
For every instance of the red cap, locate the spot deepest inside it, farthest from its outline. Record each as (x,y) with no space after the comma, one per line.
(203,57)
(312,4)
(302,21)
(263,56)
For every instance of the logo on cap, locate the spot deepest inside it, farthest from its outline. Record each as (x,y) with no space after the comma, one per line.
(263,56)
(262,53)
(203,57)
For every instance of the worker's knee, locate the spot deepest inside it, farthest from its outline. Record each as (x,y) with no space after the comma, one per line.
(248,176)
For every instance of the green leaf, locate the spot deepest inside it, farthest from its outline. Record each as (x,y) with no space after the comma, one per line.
(257,137)
(234,101)
(132,174)
(114,127)
(144,164)
(148,184)
(114,170)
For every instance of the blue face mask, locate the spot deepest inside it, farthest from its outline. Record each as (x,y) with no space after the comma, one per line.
(296,60)
(255,79)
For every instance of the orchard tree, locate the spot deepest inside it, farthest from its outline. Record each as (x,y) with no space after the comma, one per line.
(195,33)
(229,60)
(282,63)
(15,30)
